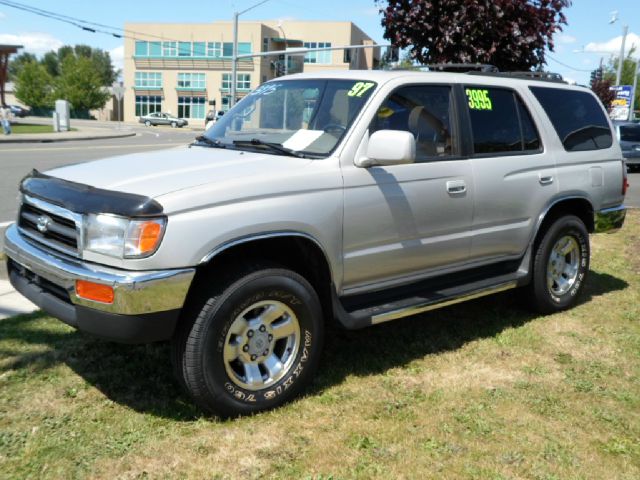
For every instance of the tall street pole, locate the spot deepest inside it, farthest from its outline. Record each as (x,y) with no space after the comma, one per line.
(633,91)
(234,55)
(625,29)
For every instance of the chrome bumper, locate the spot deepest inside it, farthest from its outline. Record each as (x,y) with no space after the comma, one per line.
(610,219)
(135,292)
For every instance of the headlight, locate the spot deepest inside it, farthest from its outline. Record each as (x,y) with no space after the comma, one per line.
(122,237)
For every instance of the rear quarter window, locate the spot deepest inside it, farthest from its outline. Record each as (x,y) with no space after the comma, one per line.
(577,117)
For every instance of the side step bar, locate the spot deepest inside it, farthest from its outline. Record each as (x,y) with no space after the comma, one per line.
(413,304)
(427,305)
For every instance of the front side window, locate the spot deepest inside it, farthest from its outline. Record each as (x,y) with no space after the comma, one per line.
(500,122)
(577,118)
(307,116)
(425,111)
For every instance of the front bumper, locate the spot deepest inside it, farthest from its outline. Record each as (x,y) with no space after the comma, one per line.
(610,220)
(146,303)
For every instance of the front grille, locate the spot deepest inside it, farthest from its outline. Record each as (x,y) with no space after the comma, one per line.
(50,226)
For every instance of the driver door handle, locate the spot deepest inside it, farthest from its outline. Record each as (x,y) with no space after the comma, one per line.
(456,187)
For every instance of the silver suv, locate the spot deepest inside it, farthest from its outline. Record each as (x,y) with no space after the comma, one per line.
(357,196)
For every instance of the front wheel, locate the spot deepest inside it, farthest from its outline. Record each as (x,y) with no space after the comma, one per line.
(560,265)
(147,123)
(174,124)
(255,344)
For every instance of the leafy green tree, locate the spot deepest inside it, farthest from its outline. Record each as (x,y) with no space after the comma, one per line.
(19,61)
(34,86)
(51,63)
(80,84)
(510,34)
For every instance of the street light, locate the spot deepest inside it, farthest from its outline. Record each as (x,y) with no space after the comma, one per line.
(625,30)
(286,59)
(234,57)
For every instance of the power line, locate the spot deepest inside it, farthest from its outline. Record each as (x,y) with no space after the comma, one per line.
(568,66)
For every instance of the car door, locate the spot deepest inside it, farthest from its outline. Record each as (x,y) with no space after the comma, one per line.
(514,175)
(406,221)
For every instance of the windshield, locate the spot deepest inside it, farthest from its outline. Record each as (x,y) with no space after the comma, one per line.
(305,116)
(630,133)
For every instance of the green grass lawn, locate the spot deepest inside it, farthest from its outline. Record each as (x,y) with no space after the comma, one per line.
(478,390)
(19,128)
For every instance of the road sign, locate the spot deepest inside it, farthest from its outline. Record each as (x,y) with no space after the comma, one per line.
(118,91)
(622,103)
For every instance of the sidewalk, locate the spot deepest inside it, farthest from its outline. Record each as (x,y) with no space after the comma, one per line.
(81,132)
(11,302)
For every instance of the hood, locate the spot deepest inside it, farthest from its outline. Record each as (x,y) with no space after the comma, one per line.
(161,172)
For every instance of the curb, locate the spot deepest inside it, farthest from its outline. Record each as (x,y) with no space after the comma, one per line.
(68,139)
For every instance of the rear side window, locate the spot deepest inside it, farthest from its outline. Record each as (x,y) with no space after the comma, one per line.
(630,133)
(500,122)
(577,118)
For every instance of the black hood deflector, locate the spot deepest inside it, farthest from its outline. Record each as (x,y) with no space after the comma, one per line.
(81,198)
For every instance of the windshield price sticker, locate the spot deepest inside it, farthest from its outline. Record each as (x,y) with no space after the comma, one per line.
(360,88)
(479,99)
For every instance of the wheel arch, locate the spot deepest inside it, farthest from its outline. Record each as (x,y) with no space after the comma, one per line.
(296,251)
(579,206)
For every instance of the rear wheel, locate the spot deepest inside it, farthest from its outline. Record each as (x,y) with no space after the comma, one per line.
(254,345)
(147,123)
(560,265)
(174,124)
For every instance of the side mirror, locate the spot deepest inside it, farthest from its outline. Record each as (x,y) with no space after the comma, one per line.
(389,147)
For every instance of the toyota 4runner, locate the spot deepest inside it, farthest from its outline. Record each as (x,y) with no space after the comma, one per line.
(357,196)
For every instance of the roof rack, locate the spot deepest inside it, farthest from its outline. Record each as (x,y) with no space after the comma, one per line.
(543,76)
(452,67)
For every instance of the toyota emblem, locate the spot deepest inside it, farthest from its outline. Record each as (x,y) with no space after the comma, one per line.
(43,223)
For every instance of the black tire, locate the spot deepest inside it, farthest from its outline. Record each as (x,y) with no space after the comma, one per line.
(174,124)
(198,347)
(549,299)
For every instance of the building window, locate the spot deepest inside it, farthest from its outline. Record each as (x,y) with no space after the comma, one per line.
(244,48)
(199,49)
(142,49)
(148,80)
(146,104)
(192,80)
(191,107)
(265,44)
(214,49)
(318,57)
(226,103)
(169,49)
(346,58)
(243,81)
(155,49)
(184,49)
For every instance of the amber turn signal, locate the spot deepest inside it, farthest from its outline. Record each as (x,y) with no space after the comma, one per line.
(94,291)
(149,236)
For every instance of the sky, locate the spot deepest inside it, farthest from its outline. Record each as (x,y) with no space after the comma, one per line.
(586,39)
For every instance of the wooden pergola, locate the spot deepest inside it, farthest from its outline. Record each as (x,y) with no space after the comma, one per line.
(5,52)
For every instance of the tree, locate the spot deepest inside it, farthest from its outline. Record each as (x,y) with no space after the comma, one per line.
(510,34)
(34,86)
(602,88)
(80,84)
(16,64)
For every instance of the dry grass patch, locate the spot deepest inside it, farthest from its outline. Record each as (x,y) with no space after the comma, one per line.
(479,390)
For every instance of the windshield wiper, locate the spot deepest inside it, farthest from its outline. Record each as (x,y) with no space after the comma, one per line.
(277,147)
(200,139)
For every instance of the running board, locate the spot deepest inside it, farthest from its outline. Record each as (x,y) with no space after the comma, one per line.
(435,304)
(361,316)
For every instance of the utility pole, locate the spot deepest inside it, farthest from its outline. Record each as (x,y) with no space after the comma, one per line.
(625,29)
(234,57)
(633,91)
